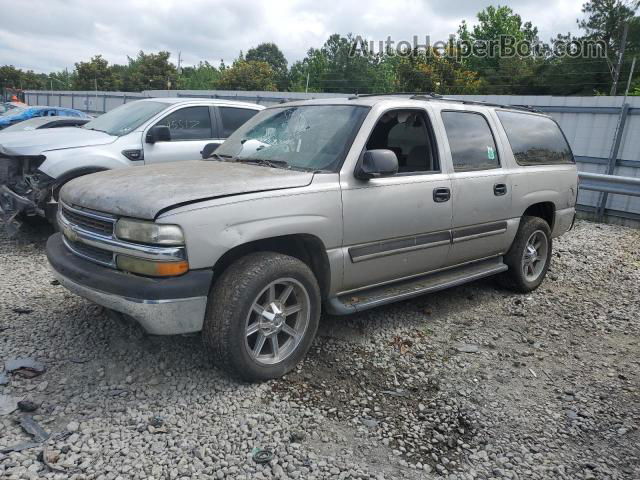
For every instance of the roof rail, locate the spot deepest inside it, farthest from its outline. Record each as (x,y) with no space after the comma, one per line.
(526,108)
(438,97)
(409,94)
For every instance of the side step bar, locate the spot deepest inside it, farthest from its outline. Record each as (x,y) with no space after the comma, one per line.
(403,290)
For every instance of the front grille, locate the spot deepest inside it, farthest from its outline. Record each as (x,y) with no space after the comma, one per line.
(89,223)
(97,254)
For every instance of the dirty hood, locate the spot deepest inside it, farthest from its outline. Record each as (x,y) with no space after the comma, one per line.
(37,142)
(144,192)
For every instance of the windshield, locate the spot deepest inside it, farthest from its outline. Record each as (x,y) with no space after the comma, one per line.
(125,118)
(313,137)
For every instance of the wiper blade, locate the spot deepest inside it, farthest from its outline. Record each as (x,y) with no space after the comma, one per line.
(267,163)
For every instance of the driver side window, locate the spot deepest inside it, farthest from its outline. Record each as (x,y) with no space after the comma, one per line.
(190,123)
(409,135)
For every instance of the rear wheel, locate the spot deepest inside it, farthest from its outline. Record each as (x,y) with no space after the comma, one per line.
(263,315)
(530,255)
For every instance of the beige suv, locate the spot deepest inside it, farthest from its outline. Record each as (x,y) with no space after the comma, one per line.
(338,204)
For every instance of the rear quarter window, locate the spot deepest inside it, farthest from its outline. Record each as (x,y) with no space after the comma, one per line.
(535,140)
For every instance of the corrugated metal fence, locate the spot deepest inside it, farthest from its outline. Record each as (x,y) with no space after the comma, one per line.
(604,134)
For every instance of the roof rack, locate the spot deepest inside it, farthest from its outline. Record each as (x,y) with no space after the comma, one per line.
(406,94)
(435,96)
(526,108)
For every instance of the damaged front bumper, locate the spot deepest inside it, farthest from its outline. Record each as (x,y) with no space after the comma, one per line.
(24,191)
(12,205)
(162,306)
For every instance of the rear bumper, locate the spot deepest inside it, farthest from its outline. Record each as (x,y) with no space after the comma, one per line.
(166,306)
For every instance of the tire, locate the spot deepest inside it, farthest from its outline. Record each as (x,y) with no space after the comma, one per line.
(233,328)
(518,258)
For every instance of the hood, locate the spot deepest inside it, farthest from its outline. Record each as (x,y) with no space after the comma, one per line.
(144,192)
(37,142)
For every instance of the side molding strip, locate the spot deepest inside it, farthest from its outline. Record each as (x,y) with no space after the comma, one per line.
(479,231)
(401,245)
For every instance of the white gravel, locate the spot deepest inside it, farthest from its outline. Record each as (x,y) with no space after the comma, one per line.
(474,382)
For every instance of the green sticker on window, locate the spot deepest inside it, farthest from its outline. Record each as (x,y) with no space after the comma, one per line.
(491,154)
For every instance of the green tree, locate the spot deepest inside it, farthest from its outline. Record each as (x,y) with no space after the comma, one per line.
(605,20)
(204,76)
(10,77)
(92,74)
(434,72)
(271,54)
(248,75)
(502,74)
(149,71)
(344,65)
(62,80)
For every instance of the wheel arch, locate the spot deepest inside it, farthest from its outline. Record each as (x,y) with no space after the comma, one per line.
(305,247)
(544,210)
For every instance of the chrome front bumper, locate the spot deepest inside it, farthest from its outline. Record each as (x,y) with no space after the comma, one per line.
(167,306)
(158,317)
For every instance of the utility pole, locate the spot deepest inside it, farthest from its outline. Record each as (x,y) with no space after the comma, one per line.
(633,67)
(96,86)
(306,89)
(616,73)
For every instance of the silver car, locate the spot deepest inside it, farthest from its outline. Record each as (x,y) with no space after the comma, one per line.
(35,164)
(341,205)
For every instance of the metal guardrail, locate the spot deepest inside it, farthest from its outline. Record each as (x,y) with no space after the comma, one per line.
(600,182)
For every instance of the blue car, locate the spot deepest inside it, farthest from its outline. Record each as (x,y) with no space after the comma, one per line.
(11,117)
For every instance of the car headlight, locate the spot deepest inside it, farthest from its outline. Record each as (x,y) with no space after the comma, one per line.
(149,232)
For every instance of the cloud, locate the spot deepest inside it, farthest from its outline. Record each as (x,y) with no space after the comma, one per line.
(57,33)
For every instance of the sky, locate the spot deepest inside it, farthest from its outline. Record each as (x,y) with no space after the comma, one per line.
(49,35)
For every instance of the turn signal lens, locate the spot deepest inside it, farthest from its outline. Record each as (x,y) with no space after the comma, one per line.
(151,268)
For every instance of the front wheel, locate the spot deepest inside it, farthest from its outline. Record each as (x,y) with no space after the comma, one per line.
(262,316)
(529,257)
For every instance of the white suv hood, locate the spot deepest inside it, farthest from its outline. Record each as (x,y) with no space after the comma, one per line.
(37,142)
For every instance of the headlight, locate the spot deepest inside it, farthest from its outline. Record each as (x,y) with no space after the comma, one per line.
(149,232)
(151,268)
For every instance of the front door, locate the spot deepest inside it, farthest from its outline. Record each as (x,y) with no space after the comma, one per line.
(397,226)
(481,189)
(191,129)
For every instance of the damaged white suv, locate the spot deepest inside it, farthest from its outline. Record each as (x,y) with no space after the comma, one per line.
(341,204)
(34,165)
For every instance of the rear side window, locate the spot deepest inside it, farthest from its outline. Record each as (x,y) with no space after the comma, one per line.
(471,141)
(535,140)
(232,118)
(191,123)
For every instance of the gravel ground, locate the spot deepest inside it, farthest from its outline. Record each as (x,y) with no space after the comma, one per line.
(473,382)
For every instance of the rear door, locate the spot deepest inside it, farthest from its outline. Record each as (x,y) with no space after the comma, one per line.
(481,187)
(191,127)
(231,118)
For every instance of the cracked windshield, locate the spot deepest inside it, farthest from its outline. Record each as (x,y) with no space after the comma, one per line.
(309,137)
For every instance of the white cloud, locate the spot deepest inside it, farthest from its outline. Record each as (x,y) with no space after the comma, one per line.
(56,33)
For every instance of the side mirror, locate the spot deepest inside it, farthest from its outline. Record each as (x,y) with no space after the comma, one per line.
(377,163)
(208,149)
(158,133)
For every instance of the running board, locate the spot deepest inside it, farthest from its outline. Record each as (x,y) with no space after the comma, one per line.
(403,290)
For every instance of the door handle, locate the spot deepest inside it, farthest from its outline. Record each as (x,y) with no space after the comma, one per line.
(499,189)
(442,194)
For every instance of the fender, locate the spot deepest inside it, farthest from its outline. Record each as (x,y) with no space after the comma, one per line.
(60,163)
